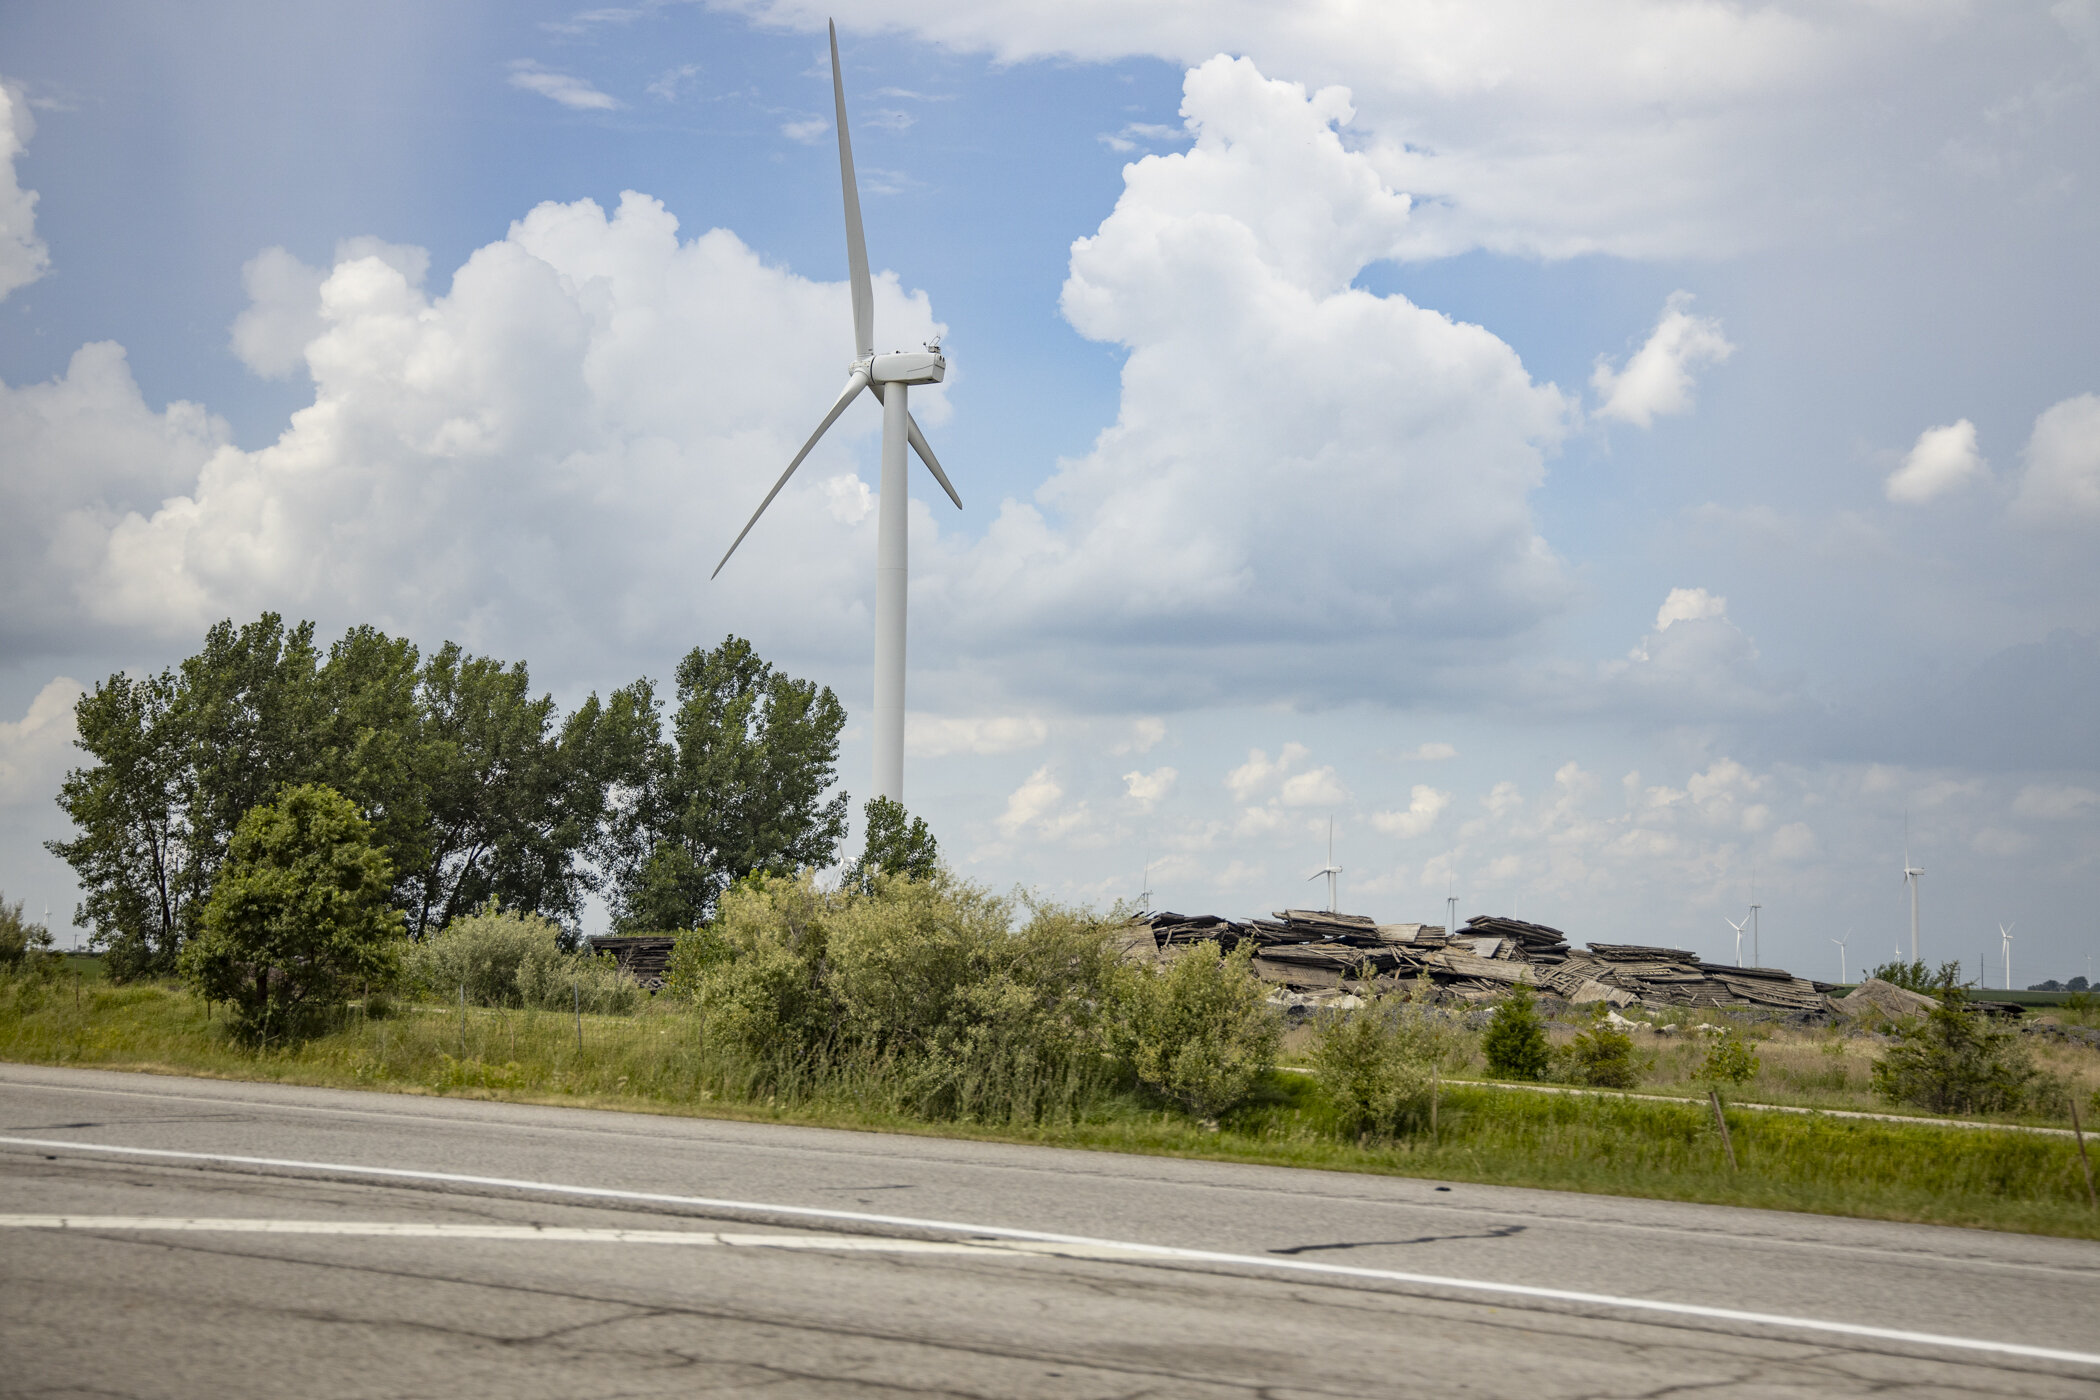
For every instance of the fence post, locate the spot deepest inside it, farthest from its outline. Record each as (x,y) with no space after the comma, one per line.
(576,989)
(463,1020)
(1715,1096)
(2078,1132)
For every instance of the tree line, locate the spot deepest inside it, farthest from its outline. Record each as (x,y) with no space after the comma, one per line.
(474,788)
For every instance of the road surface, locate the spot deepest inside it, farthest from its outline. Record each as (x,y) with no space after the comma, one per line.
(180,1237)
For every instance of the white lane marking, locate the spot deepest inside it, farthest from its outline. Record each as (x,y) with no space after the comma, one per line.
(447,1230)
(1707,1232)
(1086,1247)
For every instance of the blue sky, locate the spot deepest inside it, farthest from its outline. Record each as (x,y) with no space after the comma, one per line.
(1684,414)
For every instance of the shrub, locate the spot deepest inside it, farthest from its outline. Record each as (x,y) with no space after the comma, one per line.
(297,917)
(1953,1060)
(21,942)
(1198,1031)
(1730,1060)
(1601,1056)
(897,844)
(510,958)
(1375,1064)
(758,972)
(1515,1040)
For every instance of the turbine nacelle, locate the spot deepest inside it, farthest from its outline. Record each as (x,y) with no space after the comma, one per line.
(908,367)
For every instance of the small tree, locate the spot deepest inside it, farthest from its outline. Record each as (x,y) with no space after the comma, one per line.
(1602,1055)
(898,844)
(1954,1061)
(297,917)
(1729,1060)
(1375,1063)
(1515,1043)
(20,940)
(1199,1031)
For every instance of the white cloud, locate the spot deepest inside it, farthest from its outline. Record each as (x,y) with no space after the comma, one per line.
(1318,787)
(1150,789)
(572,92)
(1259,773)
(808,130)
(938,736)
(1689,605)
(36,750)
(1031,802)
(672,83)
(1424,806)
(1943,460)
(23,257)
(1427,753)
(2055,802)
(1145,733)
(2061,485)
(1658,379)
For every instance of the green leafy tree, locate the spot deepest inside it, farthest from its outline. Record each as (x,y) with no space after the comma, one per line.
(898,844)
(1729,1060)
(133,855)
(1601,1055)
(298,918)
(1375,1064)
(1953,1060)
(1911,976)
(20,940)
(1515,1042)
(738,789)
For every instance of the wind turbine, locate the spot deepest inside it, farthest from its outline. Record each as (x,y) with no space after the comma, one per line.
(2005,946)
(1842,978)
(1330,870)
(1451,911)
(1738,927)
(889,377)
(1910,880)
(1145,894)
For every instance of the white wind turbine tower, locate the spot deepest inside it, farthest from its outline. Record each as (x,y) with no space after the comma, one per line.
(1330,870)
(889,377)
(2005,946)
(1842,977)
(1910,879)
(1738,927)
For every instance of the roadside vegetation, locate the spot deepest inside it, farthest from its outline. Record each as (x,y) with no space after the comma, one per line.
(362,870)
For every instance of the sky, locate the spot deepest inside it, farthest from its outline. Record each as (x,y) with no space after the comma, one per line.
(1611,463)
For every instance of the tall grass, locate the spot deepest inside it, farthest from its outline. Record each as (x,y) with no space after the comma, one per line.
(663,1059)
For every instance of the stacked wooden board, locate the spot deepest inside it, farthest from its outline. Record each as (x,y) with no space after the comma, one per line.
(1305,950)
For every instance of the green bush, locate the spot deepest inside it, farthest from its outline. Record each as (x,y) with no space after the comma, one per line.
(298,917)
(508,958)
(1375,1064)
(1198,1031)
(21,942)
(1601,1056)
(1730,1060)
(1515,1041)
(757,972)
(1952,1060)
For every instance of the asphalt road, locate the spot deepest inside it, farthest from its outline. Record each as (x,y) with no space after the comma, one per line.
(521,1252)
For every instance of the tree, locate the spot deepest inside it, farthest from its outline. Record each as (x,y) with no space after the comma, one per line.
(897,844)
(134,857)
(298,917)
(1953,1060)
(738,789)
(1515,1042)
(20,940)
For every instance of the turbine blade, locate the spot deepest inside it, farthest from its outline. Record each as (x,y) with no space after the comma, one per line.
(854,384)
(856,240)
(919,445)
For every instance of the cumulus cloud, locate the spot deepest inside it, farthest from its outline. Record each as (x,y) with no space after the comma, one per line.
(2061,485)
(1260,773)
(1145,733)
(1696,661)
(1425,804)
(1942,460)
(938,736)
(1689,605)
(1032,802)
(1259,386)
(1150,789)
(36,750)
(23,257)
(577,94)
(1658,379)
(808,131)
(1318,787)
(2055,802)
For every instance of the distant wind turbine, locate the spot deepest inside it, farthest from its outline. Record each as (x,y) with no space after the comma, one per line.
(1842,977)
(889,377)
(1738,927)
(1145,894)
(1910,879)
(1330,870)
(2005,946)
(1451,909)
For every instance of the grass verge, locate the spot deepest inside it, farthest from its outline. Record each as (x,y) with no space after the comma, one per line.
(658,1061)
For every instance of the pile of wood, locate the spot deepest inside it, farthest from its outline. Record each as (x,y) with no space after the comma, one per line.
(644,957)
(1313,951)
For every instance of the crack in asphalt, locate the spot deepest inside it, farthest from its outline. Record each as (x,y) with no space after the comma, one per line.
(1501,1233)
